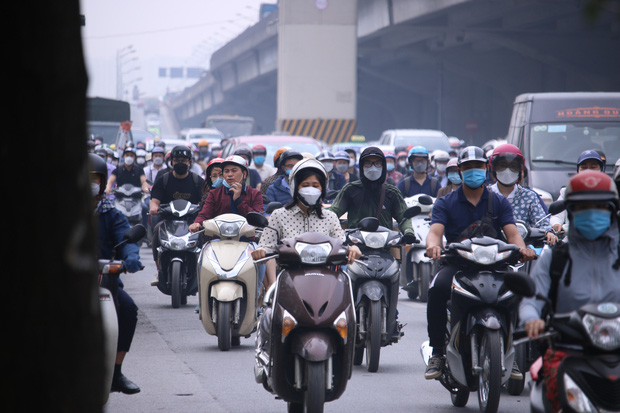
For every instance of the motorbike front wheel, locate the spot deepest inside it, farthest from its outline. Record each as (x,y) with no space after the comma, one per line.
(224,329)
(314,396)
(373,336)
(176,287)
(490,377)
(515,386)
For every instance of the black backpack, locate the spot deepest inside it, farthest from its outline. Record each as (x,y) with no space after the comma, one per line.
(434,184)
(483,226)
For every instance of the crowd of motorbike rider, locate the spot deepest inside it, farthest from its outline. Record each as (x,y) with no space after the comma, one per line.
(476,194)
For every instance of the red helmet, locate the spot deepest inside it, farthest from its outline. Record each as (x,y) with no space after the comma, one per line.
(259,148)
(508,152)
(591,186)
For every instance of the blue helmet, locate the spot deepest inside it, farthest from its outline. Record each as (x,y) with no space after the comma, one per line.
(341,155)
(420,151)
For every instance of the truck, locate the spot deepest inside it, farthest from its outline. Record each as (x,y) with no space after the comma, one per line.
(231,125)
(104,118)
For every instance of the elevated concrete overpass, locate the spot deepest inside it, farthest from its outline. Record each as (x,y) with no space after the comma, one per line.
(454,65)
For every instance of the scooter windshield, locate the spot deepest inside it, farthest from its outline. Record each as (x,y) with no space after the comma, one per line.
(177,228)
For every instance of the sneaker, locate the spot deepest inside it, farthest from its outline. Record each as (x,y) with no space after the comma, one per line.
(516,374)
(434,368)
(155,281)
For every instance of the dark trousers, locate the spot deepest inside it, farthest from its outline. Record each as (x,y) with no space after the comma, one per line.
(127,312)
(436,311)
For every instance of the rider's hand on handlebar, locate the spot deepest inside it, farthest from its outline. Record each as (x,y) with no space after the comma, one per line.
(195,227)
(433,252)
(354,253)
(551,238)
(259,253)
(534,327)
(409,238)
(528,254)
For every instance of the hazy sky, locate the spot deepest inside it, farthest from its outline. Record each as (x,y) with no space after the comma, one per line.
(162,32)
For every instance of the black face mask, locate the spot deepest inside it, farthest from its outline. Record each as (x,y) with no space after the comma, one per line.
(181,168)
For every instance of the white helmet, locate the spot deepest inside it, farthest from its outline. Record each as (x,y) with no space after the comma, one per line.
(307,163)
(236,160)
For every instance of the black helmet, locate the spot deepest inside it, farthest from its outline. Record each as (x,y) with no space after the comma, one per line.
(181,151)
(246,152)
(290,154)
(98,166)
(472,153)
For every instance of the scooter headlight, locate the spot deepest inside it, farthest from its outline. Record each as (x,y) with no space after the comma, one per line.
(604,332)
(374,239)
(177,243)
(484,254)
(576,398)
(313,253)
(229,229)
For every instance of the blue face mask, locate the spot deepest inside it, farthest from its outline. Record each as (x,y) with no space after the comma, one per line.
(259,160)
(474,178)
(287,171)
(390,167)
(217,183)
(226,184)
(592,223)
(455,178)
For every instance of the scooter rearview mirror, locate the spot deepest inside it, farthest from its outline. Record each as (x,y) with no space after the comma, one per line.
(412,212)
(520,283)
(368,224)
(556,207)
(425,200)
(135,233)
(257,220)
(272,206)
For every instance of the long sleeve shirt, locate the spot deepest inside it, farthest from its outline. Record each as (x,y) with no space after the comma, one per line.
(219,201)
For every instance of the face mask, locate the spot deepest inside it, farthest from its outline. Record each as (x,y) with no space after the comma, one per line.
(309,195)
(141,161)
(110,160)
(226,184)
(329,166)
(474,178)
(342,167)
(373,172)
(287,171)
(351,162)
(420,167)
(390,167)
(181,168)
(441,167)
(158,161)
(217,183)
(128,160)
(507,177)
(592,223)
(94,189)
(259,160)
(402,164)
(455,178)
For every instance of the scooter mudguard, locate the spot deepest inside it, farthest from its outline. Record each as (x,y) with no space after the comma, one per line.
(313,345)
(226,291)
(372,289)
(486,317)
(110,328)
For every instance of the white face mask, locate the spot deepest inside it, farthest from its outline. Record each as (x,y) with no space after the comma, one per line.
(441,167)
(351,162)
(373,172)
(128,160)
(94,189)
(507,177)
(158,161)
(402,163)
(310,195)
(329,166)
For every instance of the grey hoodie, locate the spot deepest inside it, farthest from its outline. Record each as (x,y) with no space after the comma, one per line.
(593,279)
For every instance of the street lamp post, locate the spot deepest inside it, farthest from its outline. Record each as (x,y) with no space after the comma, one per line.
(120,55)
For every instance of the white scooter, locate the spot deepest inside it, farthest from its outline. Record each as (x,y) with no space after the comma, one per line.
(227,283)
(417,269)
(109,271)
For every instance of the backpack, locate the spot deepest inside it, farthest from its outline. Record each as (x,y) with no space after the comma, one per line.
(434,183)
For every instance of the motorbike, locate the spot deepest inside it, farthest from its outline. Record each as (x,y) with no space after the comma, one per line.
(109,271)
(484,298)
(178,251)
(588,377)
(228,280)
(128,199)
(308,326)
(375,286)
(417,269)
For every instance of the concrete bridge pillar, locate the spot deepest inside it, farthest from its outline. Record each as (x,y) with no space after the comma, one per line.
(317,64)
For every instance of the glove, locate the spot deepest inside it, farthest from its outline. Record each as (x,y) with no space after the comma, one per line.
(133,265)
(409,238)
